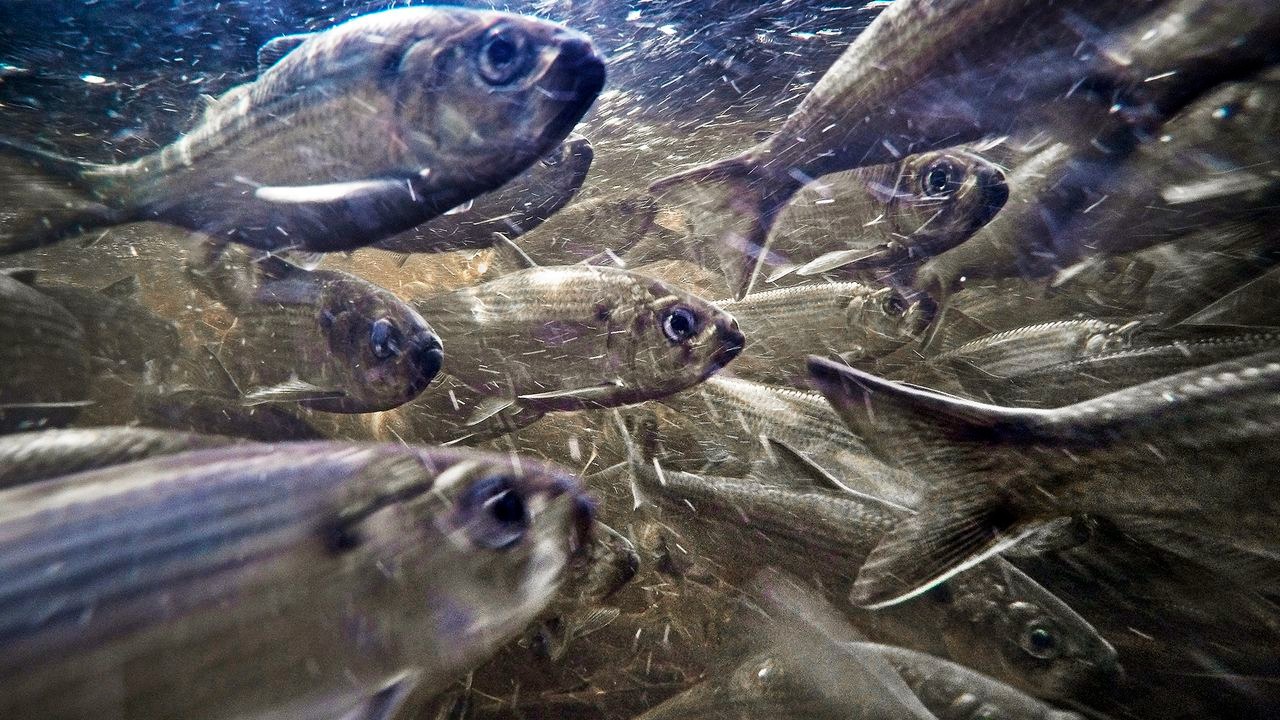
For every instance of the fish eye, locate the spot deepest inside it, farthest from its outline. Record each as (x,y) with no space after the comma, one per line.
(679,324)
(1040,640)
(504,55)
(895,305)
(940,178)
(495,513)
(384,339)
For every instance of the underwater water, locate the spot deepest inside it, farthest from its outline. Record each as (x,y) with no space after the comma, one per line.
(640,359)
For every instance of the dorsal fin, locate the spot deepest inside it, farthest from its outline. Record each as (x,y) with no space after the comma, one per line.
(26,276)
(276,48)
(513,255)
(122,289)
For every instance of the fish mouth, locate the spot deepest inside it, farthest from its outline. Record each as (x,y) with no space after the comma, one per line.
(574,79)
(428,356)
(994,192)
(583,509)
(732,343)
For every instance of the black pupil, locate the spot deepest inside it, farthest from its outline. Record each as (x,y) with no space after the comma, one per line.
(507,508)
(501,51)
(895,305)
(938,180)
(384,339)
(1041,639)
(680,323)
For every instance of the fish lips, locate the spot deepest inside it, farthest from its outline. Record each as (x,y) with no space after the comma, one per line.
(732,343)
(575,78)
(428,358)
(994,191)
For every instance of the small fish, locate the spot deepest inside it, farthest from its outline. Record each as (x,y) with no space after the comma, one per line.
(582,231)
(1191,451)
(344,580)
(575,337)
(888,216)
(30,457)
(327,340)
(992,358)
(514,209)
(347,136)
(787,325)
(120,331)
(923,75)
(996,619)
(44,358)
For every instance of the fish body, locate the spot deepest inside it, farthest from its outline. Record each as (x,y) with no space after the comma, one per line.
(44,359)
(120,332)
(922,76)
(788,324)
(986,619)
(349,135)
(30,457)
(575,337)
(315,579)
(514,209)
(583,229)
(328,340)
(888,216)
(988,361)
(1190,451)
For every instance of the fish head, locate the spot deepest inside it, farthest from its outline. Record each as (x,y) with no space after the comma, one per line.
(667,339)
(479,106)
(502,532)
(942,197)
(387,350)
(548,184)
(1041,644)
(887,318)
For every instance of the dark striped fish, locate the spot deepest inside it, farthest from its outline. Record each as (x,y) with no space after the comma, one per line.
(348,136)
(306,580)
(30,457)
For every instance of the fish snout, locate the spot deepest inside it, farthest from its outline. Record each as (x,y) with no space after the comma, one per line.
(428,355)
(994,190)
(732,342)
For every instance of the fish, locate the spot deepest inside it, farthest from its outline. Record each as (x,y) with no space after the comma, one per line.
(1189,451)
(788,324)
(887,216)
(450,412)
(576,337)
(121,332)
(582,230)
(34,456)
(989,360)
(995,619)
(345,580)
(924,75)
(347,136)
(1210,171)
(44,358)
(327,340)
(521,205)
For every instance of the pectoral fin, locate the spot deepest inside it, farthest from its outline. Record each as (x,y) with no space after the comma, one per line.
(290,391)
(595,393)
(487,409)
(351,191)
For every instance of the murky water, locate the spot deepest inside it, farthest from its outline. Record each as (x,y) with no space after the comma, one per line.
(918,359)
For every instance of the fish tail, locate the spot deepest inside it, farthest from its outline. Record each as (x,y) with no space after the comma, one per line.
(730,206)
(49,198)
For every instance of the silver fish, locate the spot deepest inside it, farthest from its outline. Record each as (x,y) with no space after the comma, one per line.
(1192,451)
(514,209)
(574,337)
(307,580)
(348,136)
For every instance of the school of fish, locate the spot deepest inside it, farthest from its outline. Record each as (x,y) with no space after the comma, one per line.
(463,364)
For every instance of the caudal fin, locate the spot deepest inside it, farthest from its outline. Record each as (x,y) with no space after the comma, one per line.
(44,198)
(955,445)
(730,206)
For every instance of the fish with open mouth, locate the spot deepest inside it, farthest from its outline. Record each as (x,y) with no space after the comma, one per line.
(348,136)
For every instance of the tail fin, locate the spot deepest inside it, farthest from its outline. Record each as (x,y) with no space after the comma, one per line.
(731,205)
(46,198)
(955,444)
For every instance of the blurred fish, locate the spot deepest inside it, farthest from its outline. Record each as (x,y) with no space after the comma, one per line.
(785,326)
(994,618)
(574,337)
(201,410)
(584,229)
(513,210)
(888,216)
(120,332)
(346,137)
(343,580)
(924,75)
(1190,451)
(44,358)
(30,457)
(328,340)
(1251,304)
